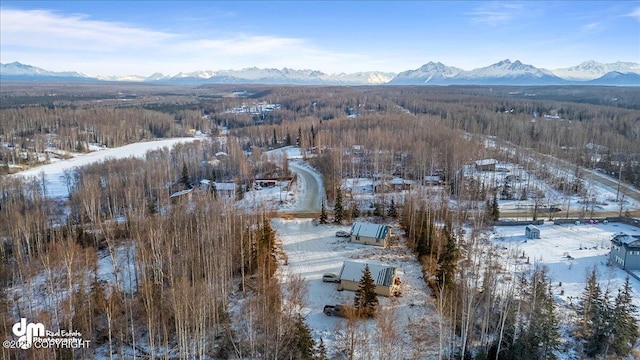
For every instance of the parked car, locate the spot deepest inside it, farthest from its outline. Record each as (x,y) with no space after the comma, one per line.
(342,233)
(330,277)
(334,310)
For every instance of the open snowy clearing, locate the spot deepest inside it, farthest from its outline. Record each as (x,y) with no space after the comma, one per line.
(569,252)
(56,185)
(314,250)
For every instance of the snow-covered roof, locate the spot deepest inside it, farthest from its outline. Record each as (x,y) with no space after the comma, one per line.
(228,186)
(532,227)
(180,193)
(400,181)
(486,162)
(432,178)
(626,239)
(221,153)
(370,230)
(225,186)
(382,274)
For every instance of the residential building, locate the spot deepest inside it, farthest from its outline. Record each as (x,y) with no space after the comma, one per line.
(486,165)
(370,234)
(625,251)
(384,277)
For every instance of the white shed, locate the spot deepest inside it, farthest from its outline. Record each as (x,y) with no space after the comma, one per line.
(532,232)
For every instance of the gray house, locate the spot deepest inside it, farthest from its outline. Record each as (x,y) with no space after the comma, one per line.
(625,251)
(532,232)
(370,234)
(384,277)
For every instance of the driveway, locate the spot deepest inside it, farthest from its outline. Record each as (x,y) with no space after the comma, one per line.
(312,193)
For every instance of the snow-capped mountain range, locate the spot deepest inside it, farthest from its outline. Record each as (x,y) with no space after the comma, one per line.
(501,73)
(591,70)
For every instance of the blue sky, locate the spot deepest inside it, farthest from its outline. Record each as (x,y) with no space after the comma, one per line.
(144,37)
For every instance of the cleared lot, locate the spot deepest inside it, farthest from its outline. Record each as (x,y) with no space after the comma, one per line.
(569,251)
(315,250)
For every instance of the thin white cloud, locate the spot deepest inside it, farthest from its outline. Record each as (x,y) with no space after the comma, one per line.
(593,27)
(635,14)
(76,42)
(496,13)
(48,30)
(241,45)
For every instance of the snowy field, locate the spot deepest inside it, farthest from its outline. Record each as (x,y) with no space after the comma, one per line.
(56,185)
(314,250)
(569,252)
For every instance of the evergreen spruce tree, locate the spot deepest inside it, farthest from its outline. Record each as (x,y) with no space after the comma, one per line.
(321,351)
(303,342)
(213,187)
(151,207)
(268,235)
(448,260)
(393,212)
(376,209)
(625,325)
(538,338)
(590,295)
(240,192)
(366,300)
(495,211)
(547,325)
(313,136)
(338,209)
(601,323)
(426,233)
(184,177)
(274,140)
(323,214)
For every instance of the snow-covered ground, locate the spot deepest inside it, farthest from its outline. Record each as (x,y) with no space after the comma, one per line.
(314,250)
(49,289)
(598,195)
(569,252)
(56,185)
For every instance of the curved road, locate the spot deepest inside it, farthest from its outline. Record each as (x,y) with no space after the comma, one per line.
(312,194)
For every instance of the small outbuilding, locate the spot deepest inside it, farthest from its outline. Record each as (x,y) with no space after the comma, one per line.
(223,189)
(486,165)
(384,277)
(370,234)
(625,251)
(532,232)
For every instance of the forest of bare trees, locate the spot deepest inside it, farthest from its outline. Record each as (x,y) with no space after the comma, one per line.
(176,265)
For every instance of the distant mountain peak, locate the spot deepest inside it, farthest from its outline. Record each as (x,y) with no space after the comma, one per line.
(17,69)
(435,73)
(504,72)
(592,70)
